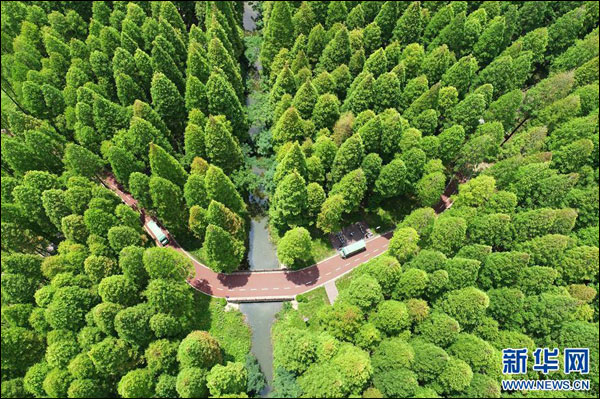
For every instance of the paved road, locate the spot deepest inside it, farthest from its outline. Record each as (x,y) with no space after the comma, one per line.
(268,285)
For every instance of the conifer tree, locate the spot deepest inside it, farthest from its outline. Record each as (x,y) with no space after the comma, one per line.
(451,141)
(337,51)
(222,100)
(325,149)
(326,111)
(372,38)
(163,63)
(377,63)
(352,188)
(357,62)
(342,78)
(127,90)
(304,19)
(370,134)
(316,43)
(168,103)
(197,222)
(223,252)
(361,98)
(436,63)
(109,117)
(438,21)
(461,75)
(144,111)
(166,166)
(305,99)
(194,143)
(222,148)
(355,18)
(386,19)
(469,111)
(214,28)
(230,21)
(330,217)
(169,12)
(279,33)
(336,12)
(284,84)
(197,63)
(289,127)
(139,185)
(282,59)
(178,46)
(348,157)
(392,179)
(290,201)
(371,166)
(324,83)
(220,188)
(387,92)
(219,215)
(194,191)
(123,164)
(409,26)
(81,161)
(489,44)
(167,200)
(300,62)
(219,58)
(195,95)
(294,160)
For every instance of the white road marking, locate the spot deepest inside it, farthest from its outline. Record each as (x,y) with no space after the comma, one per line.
(287,288)
(264,289)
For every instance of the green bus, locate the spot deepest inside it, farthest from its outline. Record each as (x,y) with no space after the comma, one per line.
(353,248)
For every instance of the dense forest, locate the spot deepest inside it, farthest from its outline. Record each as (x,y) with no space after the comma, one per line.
(470,128)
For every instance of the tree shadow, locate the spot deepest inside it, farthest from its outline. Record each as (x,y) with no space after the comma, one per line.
(201,284)
(388,235)
(306,277)
(234,280)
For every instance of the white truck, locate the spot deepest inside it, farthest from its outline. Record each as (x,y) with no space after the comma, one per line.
(158,233)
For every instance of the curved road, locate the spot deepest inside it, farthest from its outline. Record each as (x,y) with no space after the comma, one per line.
(267,285)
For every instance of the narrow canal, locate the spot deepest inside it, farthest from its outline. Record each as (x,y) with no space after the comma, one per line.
(262,254)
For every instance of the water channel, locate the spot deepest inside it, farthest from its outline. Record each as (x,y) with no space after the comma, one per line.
(262,255)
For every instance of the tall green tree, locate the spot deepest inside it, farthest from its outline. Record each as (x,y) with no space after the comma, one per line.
(167,199)
(222,100)
(166,166)
(278,33)
(222,148)
(168,103)
(348,157)
(223,252)
(290,201)
(220,188)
